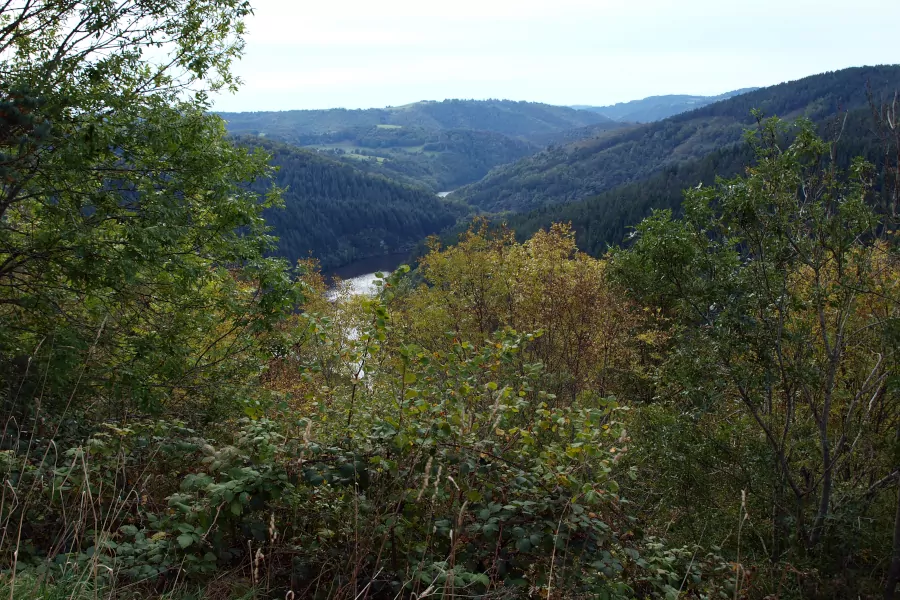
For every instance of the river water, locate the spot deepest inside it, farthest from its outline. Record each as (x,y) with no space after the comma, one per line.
(361,277)
(361,274)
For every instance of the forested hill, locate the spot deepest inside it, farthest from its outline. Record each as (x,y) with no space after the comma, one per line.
(608,218)
(339,214)
(439,145)
(580,133)
(589,167)
(437,159)
(656,108)
(515,119)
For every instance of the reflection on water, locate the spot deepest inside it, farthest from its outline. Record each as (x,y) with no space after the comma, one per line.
(362,285)
(360,275)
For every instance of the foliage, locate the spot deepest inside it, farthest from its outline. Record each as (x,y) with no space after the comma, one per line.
(783,300)
(487,282)
(339,214)
(131,258)
(414,472)
(710,413)
(29,587)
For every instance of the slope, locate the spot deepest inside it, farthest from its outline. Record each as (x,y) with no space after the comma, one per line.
(339,214)
(569,136)
(440,145)
(437,159)
(607,218)
(589,167)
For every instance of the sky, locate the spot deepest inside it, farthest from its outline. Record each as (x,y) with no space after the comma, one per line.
(366,53)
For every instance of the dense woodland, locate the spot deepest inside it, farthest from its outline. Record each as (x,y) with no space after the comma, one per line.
(439,160)
(586,168)
(710,410)
(339,214)
(608,219)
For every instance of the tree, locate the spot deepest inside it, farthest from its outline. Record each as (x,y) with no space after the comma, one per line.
(488,282)
(783,292)
(131,252)
(887,127)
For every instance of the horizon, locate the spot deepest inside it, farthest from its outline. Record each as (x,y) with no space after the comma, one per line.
(358,55)
(575,106)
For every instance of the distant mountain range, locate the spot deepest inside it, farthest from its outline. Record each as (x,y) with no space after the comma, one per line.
(656,108)
(364,182)
(507,117)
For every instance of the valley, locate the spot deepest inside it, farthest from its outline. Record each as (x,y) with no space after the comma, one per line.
(524,163)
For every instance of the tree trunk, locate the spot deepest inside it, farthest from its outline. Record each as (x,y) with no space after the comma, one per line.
(893,576)
(825,499)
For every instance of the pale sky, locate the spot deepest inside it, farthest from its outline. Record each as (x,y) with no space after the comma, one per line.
(373,53)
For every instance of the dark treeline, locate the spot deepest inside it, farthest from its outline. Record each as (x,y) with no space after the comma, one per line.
(338,214)
(608,218)
(589,167)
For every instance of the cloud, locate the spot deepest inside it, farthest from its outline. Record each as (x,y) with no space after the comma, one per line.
(356,54)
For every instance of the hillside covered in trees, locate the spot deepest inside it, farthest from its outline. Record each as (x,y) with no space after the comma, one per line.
(588,167)
(607,219)
(440,145)
(439,160)
(338,214)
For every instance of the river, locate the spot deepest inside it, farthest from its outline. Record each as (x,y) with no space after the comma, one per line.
(361,273)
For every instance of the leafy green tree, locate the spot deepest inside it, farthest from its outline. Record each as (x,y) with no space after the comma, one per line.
(131,252)
(783,296)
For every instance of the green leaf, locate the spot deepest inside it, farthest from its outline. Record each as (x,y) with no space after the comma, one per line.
(185,540)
